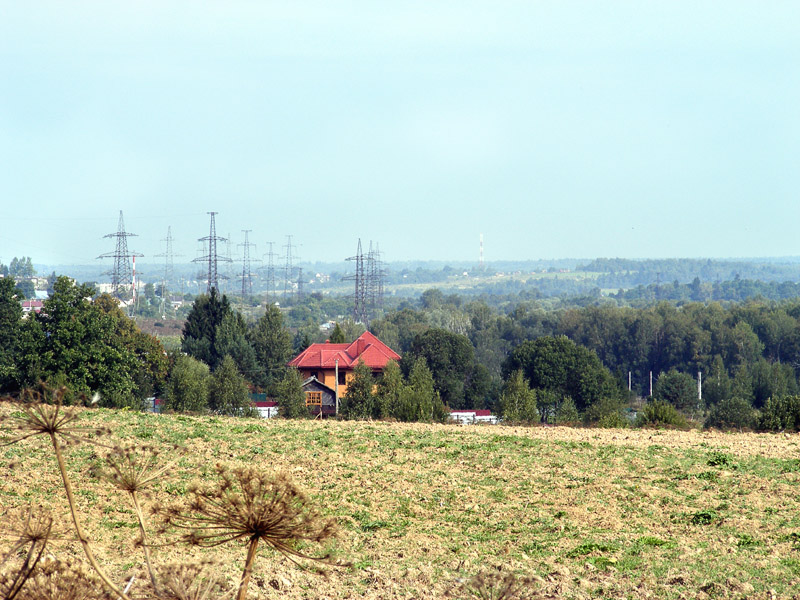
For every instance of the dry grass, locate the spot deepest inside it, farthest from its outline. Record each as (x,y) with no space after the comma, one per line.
(423,508)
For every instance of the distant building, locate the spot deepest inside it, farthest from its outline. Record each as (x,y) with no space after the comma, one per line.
(328,368)
(29,306)
(470,417)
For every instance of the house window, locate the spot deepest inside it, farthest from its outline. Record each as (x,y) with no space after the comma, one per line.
(313,398)
(342,377)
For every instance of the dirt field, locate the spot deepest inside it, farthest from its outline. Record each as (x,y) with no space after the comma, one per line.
(584,513)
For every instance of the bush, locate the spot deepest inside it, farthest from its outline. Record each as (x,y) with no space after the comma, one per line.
(660,413)
(781,414)
(732,413)
(606,412)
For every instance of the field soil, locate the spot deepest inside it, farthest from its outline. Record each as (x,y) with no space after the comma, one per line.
(580,513)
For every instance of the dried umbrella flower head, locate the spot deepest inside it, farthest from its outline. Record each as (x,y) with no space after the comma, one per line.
(494,584)
(32,530)
(251,506)
(44,413)
(57,580)
(195,581)
(134,468)
(247,503)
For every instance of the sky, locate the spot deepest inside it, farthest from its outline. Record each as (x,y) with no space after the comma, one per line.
(555,129)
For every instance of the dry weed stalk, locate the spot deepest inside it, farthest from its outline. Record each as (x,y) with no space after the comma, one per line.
(32,530)
(251,506)
(43,413)
(132,470)
(494,584)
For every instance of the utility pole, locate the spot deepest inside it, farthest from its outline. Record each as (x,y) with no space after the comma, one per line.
(168,256)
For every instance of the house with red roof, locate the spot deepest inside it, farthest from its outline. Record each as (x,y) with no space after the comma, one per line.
(328,368)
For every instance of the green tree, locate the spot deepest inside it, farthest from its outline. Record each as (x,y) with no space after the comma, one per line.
(359,400)
(10,325)
(272,345)
(560,365)
(518,400)
(449,356)
(201,328)
(660,413)
(781,414)
(227,391)
(389,391)
(732,413)
(337,335)
(25,289)
(679,389)
(74,339)
(420,401)
(188,385)
(290,396)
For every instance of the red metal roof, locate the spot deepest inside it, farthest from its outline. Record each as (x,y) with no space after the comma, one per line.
(367,347)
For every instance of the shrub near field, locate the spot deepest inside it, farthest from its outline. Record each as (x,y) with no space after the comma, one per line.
(583,513)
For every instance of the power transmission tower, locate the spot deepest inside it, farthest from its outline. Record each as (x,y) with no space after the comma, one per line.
(211,257)
(168,255)
(288,270)
(121,273)
(300,283)
(247,276)
(360,295)
(270,271)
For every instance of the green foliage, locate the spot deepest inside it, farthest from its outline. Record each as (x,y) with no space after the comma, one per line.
(732,413)
(272,344)
(518,401)
(606,412)
(781,414)
(389,391)
(201,329)
(420,400)
(227,391)
(10,325)
(188,385)
(93,345)
(359,402)
(290,397)
(660,413)
(560,365)
(337,335)
(677,389)
(449,356)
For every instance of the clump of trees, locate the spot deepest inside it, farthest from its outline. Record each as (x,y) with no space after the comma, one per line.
(393,396)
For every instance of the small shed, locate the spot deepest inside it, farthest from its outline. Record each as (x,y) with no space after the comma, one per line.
(320,399)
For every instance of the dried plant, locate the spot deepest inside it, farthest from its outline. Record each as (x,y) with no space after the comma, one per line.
(196,581)
(57,580)
(43,413)
(494,584)
(132,470)
(31,530)
(251,506)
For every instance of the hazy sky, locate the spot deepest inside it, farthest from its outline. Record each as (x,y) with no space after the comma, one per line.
(559,128)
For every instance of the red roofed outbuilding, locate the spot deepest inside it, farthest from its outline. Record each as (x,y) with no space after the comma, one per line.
(322,361)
